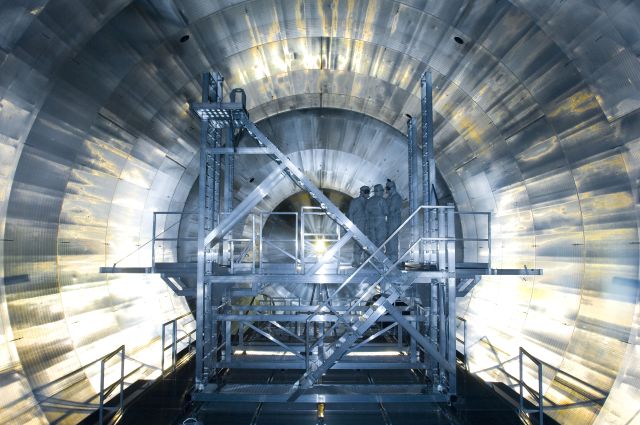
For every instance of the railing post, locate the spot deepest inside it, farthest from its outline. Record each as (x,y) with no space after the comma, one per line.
(101,408)
(122,379)
(261,245)
(464,344)
(153,244)
(540,397)
(297,248)
(489,239)
(521,382)
(306,344)
(164,330)
(253,243)
(174,344)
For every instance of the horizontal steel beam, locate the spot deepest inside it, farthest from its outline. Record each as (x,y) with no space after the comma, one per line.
(280,393)
(238,151)
(292,364)
(420,277)
(301,318)
(126,270)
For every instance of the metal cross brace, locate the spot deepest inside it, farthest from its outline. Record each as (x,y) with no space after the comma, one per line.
(301,180)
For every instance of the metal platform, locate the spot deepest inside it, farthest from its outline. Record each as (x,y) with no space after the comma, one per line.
(320,393)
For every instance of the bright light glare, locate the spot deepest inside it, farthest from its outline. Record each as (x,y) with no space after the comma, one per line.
(262,353)
(374,353)
(320,246)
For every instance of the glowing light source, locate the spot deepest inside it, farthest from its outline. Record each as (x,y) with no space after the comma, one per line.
(320,246)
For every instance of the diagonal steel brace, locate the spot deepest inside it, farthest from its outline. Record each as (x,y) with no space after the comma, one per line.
(299,178)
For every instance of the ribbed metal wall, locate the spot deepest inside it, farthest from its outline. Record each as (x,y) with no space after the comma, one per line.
(536,120)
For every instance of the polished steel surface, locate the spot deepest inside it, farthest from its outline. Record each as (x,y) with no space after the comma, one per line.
(536,119)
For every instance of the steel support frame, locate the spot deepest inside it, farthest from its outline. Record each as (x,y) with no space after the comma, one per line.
(428,163)
(412,152)
(390,280)
(208,213)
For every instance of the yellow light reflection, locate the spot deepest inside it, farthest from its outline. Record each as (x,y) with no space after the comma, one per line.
(320,246)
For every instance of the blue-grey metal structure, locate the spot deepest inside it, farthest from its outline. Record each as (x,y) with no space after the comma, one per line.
(361,305)
(536,111)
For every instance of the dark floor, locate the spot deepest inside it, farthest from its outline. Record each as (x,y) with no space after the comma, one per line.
(167,402)
(356,414)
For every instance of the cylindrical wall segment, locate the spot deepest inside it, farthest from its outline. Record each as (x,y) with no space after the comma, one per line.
(536,118)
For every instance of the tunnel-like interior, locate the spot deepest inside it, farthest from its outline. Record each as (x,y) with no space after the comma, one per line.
(536,119)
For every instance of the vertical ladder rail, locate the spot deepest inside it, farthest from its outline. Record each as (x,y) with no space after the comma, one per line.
(451,300)
(412,150)
(208,209)
(428,160)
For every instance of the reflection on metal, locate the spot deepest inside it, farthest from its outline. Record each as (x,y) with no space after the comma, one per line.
(586,393)
(105,391)
(533,120)
(175,340)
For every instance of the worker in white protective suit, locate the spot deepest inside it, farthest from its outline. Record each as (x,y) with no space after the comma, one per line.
(358,215)
(377,211)
(394,218)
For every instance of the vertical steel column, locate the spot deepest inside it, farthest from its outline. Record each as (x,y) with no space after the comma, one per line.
(433,327)
(228,173)
(227,206)
(174,344)
(412,149)
(216,134)
(489,240)
(428,162)
(451,299)
(212,325)
(153,243)
(202,224)
(439,215)
(208,212)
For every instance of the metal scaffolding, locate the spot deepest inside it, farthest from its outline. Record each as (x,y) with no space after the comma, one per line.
(382,315)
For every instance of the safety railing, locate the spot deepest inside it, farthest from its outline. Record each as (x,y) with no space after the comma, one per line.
(317,233)
(277,241)
(478,222)
(106,391)
(366,282)
(49,394)
(175,340)
(221,341)
(577,385)
(478,249)
(167,253)
(280,246)
(240,245)
(463,340)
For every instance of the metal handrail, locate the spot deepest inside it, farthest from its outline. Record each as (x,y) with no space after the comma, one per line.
(104,393)
(488,238)
(154,237)
(391,236)
(294,240)
(463,340)
(174,340)
(540,397)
